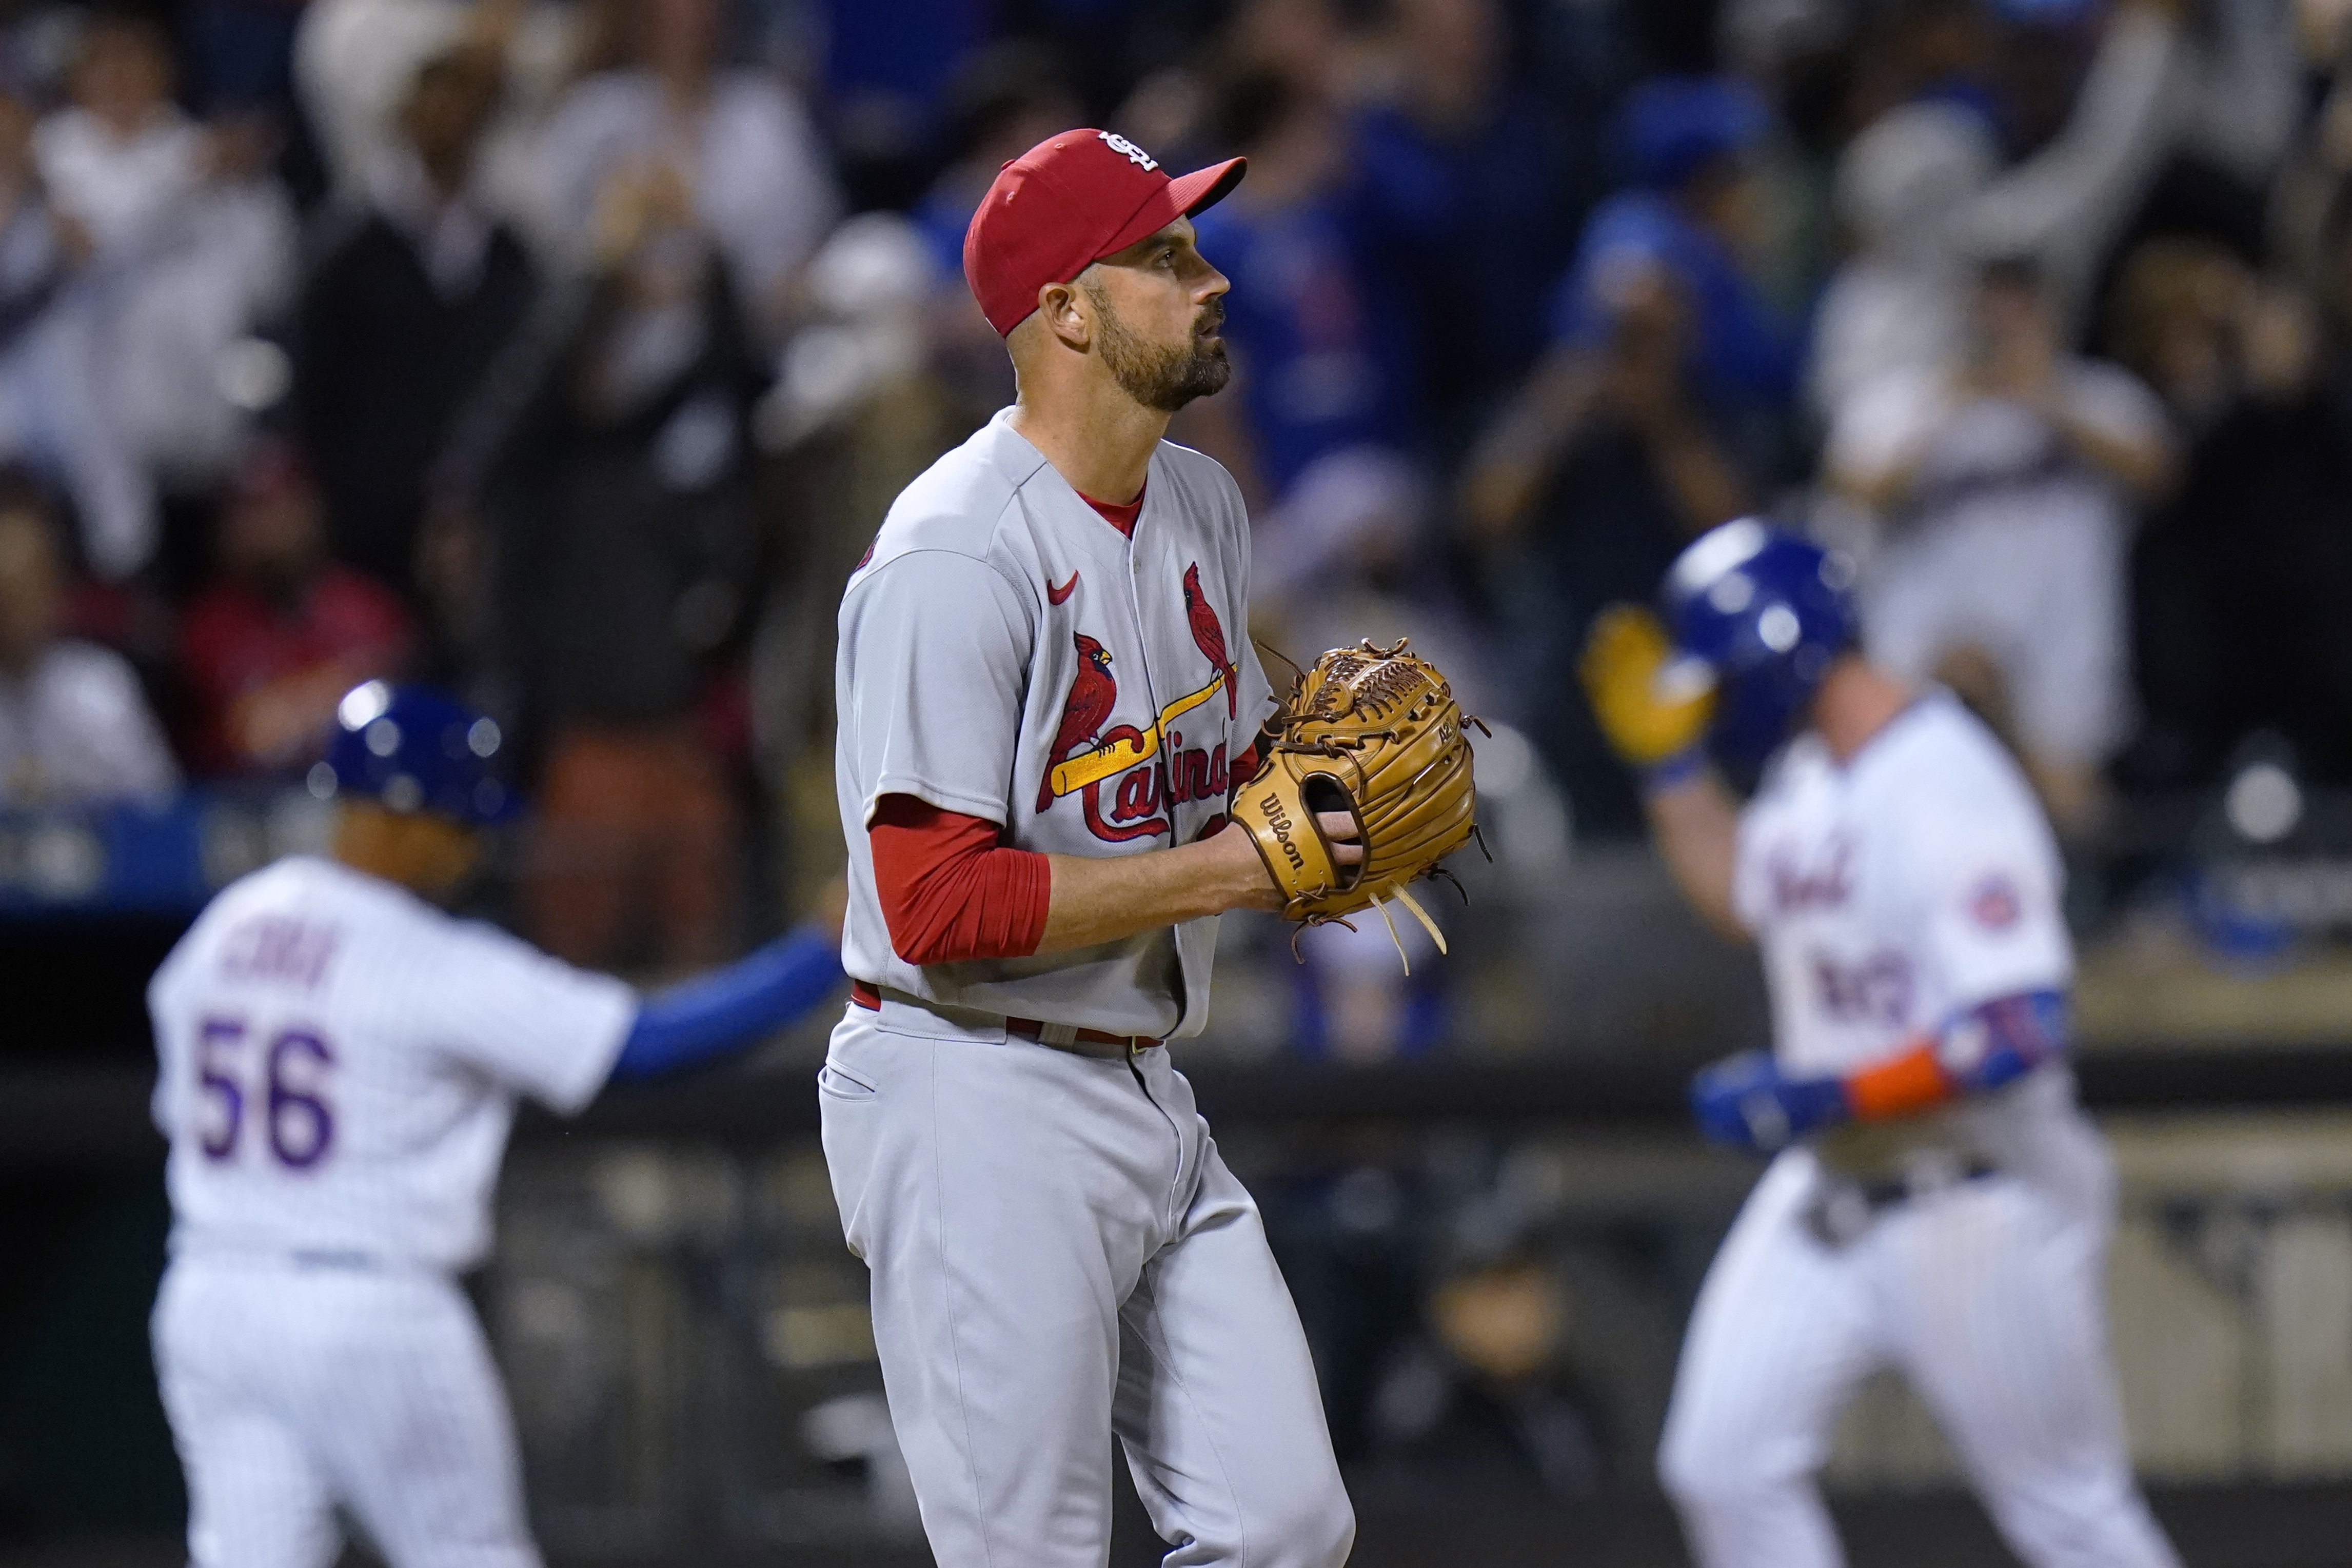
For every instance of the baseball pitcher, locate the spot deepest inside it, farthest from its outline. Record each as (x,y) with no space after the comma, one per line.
(1934,1203)
(340,1062)
(1046,691)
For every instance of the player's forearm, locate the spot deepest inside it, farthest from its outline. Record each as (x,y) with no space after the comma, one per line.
(1986,1048)
(1748,1101)
(733,1009)
(1697,831)
(1106,900)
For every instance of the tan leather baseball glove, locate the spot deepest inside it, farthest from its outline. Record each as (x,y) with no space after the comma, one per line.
(1374,732)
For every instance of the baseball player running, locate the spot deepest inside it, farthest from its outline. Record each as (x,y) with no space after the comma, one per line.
(340,1062)
(1045,688)
(1936,1202)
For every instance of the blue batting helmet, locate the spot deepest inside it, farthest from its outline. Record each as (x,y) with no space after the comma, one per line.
(1765,612)
(415,750)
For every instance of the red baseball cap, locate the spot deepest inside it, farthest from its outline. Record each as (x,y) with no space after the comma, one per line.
(1063,205)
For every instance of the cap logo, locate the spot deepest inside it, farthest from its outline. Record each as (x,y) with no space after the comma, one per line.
(1129,150)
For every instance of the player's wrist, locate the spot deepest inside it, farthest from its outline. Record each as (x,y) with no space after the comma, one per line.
(1814,1105)
(1237,874)
(1747,1101)
(1674,773)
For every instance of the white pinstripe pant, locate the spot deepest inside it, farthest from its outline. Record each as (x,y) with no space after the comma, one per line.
(293,1389)
(1988,1297)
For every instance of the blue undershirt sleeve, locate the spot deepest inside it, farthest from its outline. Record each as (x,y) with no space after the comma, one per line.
(2002,1041)
(732,1008)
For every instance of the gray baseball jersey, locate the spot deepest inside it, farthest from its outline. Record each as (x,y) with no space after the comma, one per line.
(1009,653)
(1059,1253)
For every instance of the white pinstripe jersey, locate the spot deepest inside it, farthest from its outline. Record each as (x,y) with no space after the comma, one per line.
(1892,893)
(338,1063)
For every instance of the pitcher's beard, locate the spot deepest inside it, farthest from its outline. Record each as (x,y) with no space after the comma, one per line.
(1160,376)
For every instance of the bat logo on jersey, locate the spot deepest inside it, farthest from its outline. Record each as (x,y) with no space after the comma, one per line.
(1092,697)
(1153,769)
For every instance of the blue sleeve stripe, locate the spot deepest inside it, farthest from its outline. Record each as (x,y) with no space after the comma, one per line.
(2004,1039)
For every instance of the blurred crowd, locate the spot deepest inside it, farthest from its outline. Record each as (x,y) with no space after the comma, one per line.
(568,352)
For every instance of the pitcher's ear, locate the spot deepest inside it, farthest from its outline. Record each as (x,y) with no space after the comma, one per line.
(1068,313)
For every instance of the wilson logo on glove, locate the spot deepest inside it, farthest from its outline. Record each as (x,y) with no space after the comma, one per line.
(1279,821)
(1374,732)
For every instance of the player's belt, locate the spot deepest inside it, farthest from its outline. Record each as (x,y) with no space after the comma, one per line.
(1842,1206)
(1061,1036)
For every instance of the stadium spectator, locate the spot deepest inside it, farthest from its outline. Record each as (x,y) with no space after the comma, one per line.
(53,417)
(1319,364)
(1336,53)
(1924,195)
(2009,483)
(283,631)
(407,305)
(1008,99)
(729,155)
(1512,1416)
(2239,582)
(194,244)
(890,76)
(1463,171)
(1314,46)
(618,483)
(1660,410)
(74,727)
(355,61)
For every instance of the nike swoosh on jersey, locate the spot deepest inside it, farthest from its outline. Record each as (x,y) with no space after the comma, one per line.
(1061,595)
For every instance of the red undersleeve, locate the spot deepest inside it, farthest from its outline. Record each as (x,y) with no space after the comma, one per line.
(949,889)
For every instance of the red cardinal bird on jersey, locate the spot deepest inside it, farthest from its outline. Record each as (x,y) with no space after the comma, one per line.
(1209,633)
(1092,697)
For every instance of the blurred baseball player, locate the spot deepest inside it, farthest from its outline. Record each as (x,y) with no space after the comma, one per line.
(1935,1203)
(1045,687)
(340,1062)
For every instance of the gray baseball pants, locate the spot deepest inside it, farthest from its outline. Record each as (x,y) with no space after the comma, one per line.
(1059,1255)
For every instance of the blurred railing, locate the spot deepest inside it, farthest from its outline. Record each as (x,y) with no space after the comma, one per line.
(690,1358)
(149,860)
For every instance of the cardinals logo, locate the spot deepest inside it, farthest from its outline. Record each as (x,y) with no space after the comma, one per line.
(1209,636)
(1152,770)
(1092,697)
